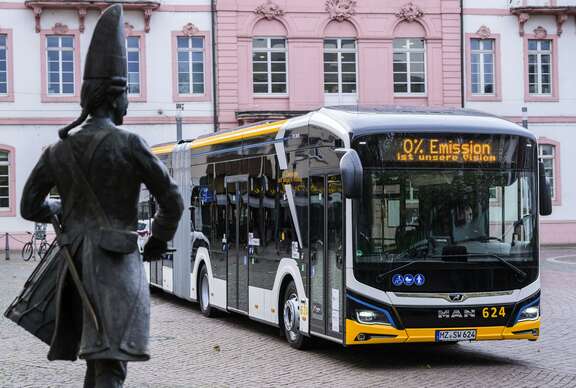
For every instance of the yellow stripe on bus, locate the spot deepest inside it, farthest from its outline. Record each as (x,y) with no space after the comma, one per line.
(382,334)
(240,134)
(165,149)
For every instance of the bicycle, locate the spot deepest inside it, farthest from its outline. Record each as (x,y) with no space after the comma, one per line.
(30,247)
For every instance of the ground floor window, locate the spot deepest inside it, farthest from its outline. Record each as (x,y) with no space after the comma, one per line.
(548,154)
(5,179)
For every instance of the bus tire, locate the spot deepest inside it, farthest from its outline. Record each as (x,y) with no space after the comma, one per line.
(290,319)
(204,293)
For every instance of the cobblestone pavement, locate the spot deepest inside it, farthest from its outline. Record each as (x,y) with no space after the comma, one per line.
(190,350)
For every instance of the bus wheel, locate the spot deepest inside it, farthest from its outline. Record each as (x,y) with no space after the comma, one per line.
(291,319)
(204,293)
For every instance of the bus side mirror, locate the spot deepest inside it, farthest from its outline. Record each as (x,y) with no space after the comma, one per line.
(352,173)
(544,195)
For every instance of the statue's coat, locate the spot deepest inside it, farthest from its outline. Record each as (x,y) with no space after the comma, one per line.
(115,282)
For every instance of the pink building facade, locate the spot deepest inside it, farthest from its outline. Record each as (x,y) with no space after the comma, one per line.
(280,58)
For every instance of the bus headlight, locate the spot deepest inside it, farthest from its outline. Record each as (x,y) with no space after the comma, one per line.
(530,313)
(371,317)
(368,312)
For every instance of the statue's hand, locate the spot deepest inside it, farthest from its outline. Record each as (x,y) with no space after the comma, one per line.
(154,249)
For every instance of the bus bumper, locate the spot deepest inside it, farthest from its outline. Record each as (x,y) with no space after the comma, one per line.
(361,334)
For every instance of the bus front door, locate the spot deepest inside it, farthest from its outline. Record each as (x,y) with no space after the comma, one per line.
(326,255)
(237,241)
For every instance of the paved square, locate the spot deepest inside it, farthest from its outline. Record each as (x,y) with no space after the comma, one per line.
(191,350)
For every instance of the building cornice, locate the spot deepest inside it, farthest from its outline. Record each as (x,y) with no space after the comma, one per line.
(82,7)
(561,14)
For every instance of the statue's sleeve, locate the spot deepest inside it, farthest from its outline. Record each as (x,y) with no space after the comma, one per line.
(156,177)
(34,205)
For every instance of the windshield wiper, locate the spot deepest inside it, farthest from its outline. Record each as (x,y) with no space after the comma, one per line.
(481,239)
(514,268)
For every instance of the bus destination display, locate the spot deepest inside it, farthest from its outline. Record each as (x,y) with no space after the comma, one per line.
(433,149)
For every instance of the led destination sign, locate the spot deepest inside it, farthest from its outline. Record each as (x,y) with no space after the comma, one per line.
(432,149)
(427,150)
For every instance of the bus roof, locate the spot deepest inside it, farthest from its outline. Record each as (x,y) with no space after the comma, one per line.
(360,120)
(226,136)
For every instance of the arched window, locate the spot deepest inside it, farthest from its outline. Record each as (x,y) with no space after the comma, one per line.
(340,63)
(269,58)
(409,65)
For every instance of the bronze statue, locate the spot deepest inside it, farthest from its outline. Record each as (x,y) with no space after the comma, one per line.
(98,172)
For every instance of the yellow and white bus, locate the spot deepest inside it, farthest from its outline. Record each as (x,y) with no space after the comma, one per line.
(362,226)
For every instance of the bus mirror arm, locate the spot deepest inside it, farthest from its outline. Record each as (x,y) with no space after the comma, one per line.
(544,195)
(352,173)
(192,209)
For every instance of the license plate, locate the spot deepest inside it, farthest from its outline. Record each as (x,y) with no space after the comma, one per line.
(455,335)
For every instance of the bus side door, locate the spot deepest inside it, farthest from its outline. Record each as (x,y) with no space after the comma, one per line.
(326,255)
(237,242)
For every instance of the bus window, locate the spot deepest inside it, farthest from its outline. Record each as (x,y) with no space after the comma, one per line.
(256,214)
(284,228)
(217,237)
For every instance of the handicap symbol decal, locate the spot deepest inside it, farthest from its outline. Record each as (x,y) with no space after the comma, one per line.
(419,280)
(397,280)
(408,279)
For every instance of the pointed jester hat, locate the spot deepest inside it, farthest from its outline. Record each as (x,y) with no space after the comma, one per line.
(105,70)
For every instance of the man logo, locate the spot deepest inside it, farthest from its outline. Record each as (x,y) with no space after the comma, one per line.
(457,313)
(456,297)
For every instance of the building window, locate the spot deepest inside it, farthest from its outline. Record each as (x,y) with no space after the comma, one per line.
(482,61)
(339,66)
(269,65)
(4,180)
(547,153)
(409,66)
(190,65)
(60,50)
(3,64)
(133,53)
(540,66)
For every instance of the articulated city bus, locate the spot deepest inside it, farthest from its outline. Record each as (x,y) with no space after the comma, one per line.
(362,226)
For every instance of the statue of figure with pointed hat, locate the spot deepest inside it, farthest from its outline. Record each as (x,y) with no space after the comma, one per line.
(98,171)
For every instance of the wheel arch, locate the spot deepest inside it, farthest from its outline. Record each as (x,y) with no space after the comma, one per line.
(288,271)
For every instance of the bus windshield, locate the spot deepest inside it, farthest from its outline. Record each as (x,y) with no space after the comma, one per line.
(457,208)
(471,216)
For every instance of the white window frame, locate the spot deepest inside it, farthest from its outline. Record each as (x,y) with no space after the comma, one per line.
(190,50)
(339,51)
(60,50)
(8,175)
(552,157)
(481,52)
(139,51)
(539,52)
(5,49)
(269,50)
(409,53)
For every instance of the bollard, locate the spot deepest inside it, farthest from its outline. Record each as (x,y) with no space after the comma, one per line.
(7,247)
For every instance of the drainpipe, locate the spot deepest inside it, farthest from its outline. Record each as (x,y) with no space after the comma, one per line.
(462,70)
(214,68)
